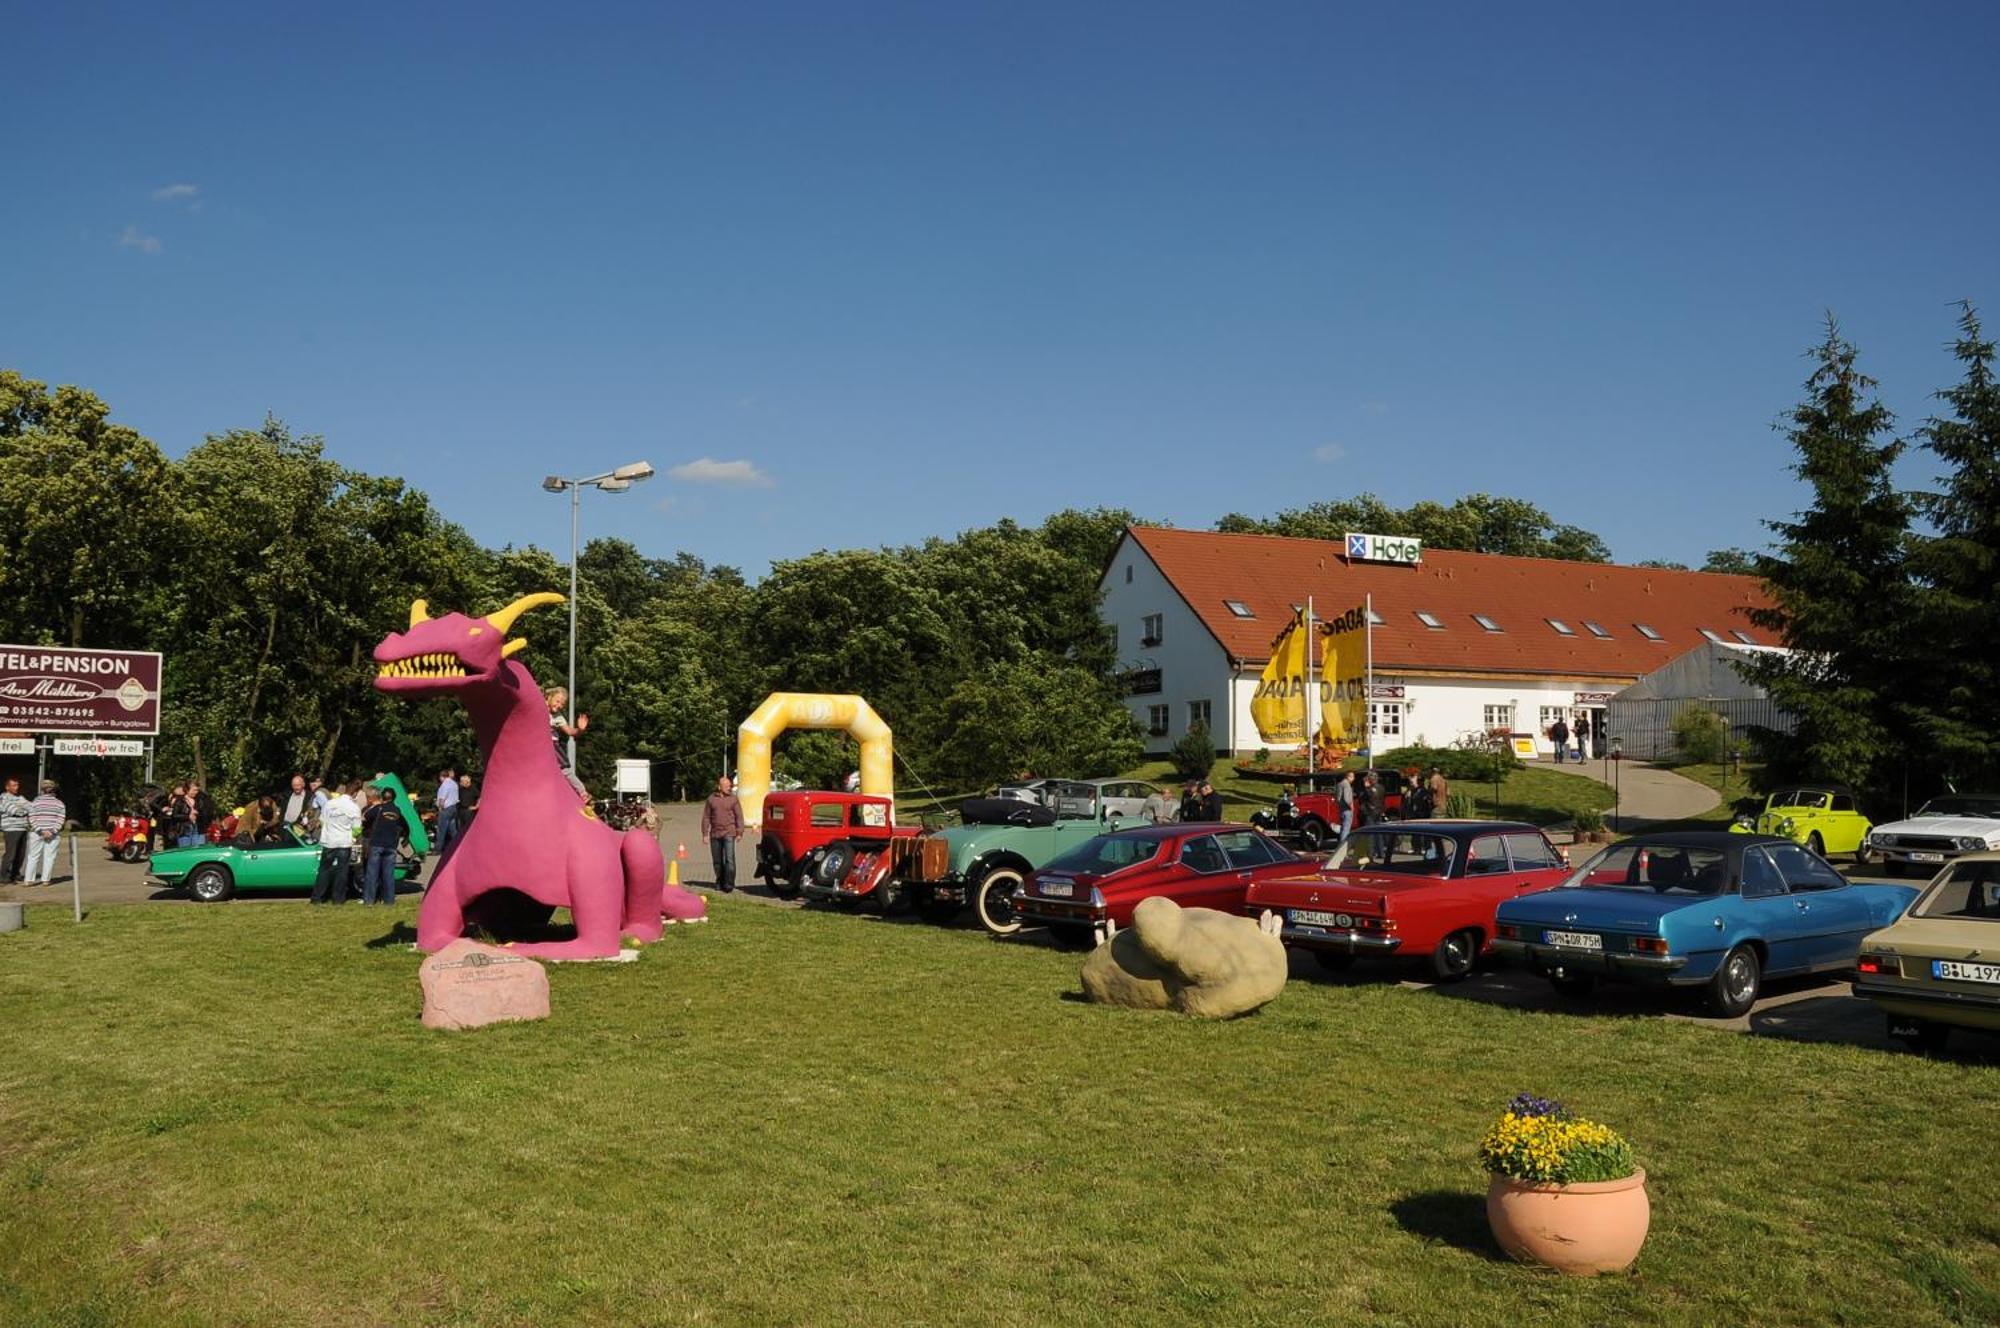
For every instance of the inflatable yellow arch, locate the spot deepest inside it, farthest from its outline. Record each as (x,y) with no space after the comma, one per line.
(809,710)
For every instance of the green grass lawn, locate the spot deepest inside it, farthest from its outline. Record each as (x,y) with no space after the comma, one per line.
(232,1115)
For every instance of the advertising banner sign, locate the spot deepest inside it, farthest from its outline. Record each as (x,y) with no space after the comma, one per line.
(54,689)
(1344,679)
(1279,706)
(17,746)
(99,747)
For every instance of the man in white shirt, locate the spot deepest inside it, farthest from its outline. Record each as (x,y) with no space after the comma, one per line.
(339,820)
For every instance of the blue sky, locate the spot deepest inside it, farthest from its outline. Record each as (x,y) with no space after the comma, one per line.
(875,272)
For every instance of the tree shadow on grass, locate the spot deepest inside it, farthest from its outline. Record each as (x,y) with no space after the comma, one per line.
(398,936)
(1450,1217)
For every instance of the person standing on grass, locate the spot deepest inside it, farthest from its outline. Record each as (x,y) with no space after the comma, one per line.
(339,819)
(1343,798)
(46,817)
(1211,802)
(13,831)
(382,830)
(722,826)
(1440,791)
(447,808)
(1158,808)
(1368,800)
(1190,802)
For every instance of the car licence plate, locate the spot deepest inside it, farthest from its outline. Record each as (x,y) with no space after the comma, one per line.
(1058,889)
(1306,917)
(1574,940)
(1953,971)
(1927,857)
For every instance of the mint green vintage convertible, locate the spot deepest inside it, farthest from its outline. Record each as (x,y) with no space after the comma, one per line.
(214,872)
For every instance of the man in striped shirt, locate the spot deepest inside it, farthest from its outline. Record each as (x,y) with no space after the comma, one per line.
(46,815)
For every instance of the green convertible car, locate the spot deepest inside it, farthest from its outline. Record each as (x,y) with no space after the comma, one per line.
(214,872)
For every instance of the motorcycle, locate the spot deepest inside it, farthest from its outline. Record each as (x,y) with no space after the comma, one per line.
(129,838)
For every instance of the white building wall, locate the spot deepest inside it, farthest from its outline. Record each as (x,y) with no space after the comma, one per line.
(1436,712)
(1193,666)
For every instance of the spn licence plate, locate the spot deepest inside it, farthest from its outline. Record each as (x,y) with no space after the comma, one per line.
(1927,857)
(1058,889)
(1573,940)
(1307,917)
(1953,971)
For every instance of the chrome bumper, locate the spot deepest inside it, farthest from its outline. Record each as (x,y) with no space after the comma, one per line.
(1950,1000)
(1545,958)
(1347,942)
(1034,908)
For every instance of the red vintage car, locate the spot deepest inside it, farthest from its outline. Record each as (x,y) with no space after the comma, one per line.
(802,826)
(1196,866)
(1415,889)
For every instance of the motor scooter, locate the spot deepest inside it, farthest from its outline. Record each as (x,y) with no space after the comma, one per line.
(129,838)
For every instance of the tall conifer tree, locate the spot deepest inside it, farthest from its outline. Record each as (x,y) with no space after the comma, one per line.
(1839,583)
(1959,605)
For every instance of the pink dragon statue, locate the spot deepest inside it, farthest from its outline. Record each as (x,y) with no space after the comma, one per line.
(532,837)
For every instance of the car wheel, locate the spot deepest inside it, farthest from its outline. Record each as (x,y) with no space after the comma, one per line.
(1312,833)
(131,851)
(1072,935)
(1816,844)
(931,907)
(1334,961)
(1455,955)
(1922,1037)
(888,895)
(210,883)
(1733,989)
(1863,855)
(1573,985)
(993,900)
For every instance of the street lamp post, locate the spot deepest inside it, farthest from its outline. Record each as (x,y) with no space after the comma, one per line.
(611,481)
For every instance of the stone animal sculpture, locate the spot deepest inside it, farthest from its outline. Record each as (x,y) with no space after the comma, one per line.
(534,844)
(1194,960)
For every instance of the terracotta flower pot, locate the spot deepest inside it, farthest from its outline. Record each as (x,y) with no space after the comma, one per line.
(1595,1227)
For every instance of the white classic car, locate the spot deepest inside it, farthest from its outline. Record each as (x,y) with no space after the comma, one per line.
(1945,828)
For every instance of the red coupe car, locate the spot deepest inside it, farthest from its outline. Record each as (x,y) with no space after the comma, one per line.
(1417,889)
(1196,866)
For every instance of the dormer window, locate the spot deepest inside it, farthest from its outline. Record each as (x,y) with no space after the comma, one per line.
(1648,632)
(1430,620)
(1562,628)
(1485,622)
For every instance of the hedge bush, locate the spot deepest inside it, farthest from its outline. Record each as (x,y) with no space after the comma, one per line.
(1468,763)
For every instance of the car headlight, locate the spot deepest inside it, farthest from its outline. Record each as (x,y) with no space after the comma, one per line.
(1785,826)
(1746,822)
(1970,843)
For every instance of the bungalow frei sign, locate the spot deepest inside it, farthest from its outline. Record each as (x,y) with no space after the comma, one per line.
(1384,549)
(56,689)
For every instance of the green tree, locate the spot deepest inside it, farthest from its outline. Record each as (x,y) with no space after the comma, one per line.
(1839,585)
(1739,562)
(1958,609)
(1030,715)
(1477,523)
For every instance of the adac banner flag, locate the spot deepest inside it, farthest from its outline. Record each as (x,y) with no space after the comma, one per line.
(1343,675)
(1279,706)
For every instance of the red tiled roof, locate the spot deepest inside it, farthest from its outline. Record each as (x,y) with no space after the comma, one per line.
(1270,573)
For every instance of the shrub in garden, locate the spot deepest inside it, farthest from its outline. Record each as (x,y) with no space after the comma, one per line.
(1459,806)
(1194,755)
(1700,735)
(1468,763)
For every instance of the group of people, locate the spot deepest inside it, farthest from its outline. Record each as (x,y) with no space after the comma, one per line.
(1358,795)
(1561,735)
(30,830)
(363,817)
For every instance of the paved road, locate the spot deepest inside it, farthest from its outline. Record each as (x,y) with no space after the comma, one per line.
(1647,794)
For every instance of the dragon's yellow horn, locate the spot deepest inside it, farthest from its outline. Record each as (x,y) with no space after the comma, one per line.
(517,644)
(420,611)
(504,619)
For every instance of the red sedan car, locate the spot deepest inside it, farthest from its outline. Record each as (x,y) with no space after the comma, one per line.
(1418,889)
(1196,866)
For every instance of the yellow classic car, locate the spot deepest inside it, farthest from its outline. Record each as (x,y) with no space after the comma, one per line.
(1938,966)
(1823,817)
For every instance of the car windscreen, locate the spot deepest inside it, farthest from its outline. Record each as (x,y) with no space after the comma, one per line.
(1106,854)
(1968,890)
(1396,851)
(1668,869)
(1961,804)
(1799,798)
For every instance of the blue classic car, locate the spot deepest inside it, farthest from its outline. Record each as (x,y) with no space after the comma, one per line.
(1696,909)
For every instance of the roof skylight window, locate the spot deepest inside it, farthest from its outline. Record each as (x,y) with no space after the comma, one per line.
(1486,622)
(1238,607)
(1596,629)
(1713,636)
(1743,636)
(1376,618)
(1648,632)
(1562,628)
(1430,620)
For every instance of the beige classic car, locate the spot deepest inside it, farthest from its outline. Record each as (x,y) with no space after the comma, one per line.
(1938,966)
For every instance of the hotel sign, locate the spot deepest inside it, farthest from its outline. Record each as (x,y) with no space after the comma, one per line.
(1384,549)
(51,689)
